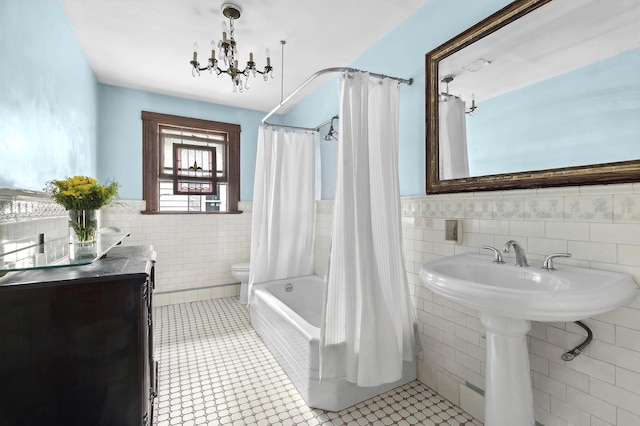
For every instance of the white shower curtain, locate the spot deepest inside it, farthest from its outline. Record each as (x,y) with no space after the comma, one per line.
(283,206)
(454,161)
(369,325)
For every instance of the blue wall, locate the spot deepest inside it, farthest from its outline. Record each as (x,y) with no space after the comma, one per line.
(56,120)
(120,150)
(401,53)
(558,117)
(318,107)
(48,97)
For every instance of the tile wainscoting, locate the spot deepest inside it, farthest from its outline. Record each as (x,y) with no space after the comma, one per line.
(598,225)
(194,252)
(25,214)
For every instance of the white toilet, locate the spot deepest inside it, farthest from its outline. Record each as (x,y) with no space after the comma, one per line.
(240,272)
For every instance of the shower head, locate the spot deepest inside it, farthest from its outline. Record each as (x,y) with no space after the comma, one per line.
(331,134)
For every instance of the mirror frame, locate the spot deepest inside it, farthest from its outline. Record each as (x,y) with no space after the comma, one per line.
(618,172)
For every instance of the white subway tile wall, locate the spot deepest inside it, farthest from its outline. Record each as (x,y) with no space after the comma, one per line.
(194,251)
(599,226)
(25,214)
(600,230)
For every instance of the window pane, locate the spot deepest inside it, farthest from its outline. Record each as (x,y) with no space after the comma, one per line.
(167,154)
(218,203)
(194,170)
(190,203)
(220,159)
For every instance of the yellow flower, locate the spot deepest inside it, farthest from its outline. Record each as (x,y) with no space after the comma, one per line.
(82,193)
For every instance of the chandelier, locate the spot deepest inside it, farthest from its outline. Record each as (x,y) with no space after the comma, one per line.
(228,55)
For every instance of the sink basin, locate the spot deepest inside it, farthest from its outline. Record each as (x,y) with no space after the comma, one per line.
(566,294)
(507,298)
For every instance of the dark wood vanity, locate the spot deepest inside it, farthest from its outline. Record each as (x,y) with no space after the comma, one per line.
(76,343)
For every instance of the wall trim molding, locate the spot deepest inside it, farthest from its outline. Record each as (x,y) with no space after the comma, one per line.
(17,205)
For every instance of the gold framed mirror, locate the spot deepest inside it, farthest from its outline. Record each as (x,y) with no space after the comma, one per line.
(545,101)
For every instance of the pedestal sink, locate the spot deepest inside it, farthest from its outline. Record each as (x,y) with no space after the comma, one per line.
(507,298)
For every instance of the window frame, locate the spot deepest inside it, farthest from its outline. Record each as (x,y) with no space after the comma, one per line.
(151,122)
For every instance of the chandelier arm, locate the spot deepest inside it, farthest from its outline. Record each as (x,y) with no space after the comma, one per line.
(267,70)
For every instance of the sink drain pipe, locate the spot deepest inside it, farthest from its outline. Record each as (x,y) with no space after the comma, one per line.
(570,355)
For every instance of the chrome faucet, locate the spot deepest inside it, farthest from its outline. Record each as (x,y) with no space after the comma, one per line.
(497,257)
(521,258)
(548,261)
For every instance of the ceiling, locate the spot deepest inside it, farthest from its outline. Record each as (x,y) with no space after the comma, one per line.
(147,44)
(556,38)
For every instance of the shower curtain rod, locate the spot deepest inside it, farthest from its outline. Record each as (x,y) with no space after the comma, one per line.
(315,129)
(324,123)
(408,82)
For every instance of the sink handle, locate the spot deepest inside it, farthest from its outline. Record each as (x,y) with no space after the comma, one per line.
(497,256)
(548,262)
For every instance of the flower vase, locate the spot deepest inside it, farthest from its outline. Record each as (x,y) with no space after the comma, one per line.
(83,226)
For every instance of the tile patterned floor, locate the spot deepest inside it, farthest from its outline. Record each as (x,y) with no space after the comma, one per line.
(215,370)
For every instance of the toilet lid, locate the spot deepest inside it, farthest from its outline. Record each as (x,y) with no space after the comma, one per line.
(244,266)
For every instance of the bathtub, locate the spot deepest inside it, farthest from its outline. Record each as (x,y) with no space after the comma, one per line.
(287,316)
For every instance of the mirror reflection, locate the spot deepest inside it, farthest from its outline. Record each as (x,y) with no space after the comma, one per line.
(556,88)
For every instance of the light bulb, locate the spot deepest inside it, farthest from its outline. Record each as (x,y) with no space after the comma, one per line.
(225,31)
(268,57)
(195,52)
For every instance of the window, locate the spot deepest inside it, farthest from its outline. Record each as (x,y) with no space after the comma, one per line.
(190,165)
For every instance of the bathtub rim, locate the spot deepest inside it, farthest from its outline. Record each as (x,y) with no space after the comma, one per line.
(261,290)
